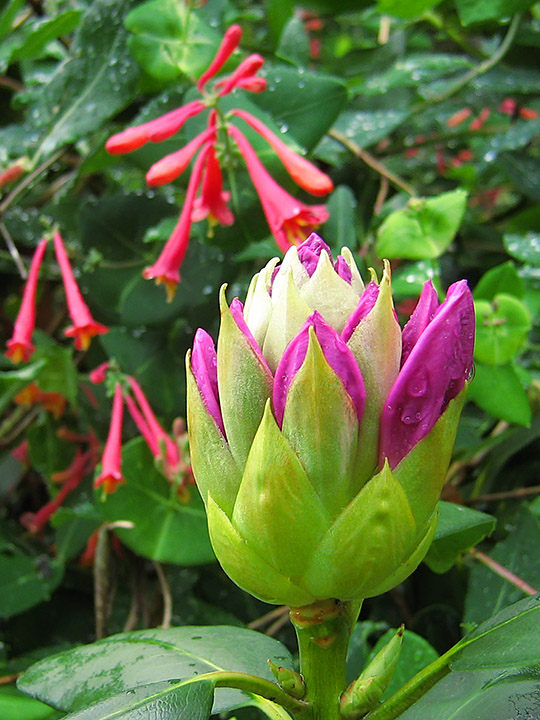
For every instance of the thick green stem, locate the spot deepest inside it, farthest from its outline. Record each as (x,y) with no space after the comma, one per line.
(323,630)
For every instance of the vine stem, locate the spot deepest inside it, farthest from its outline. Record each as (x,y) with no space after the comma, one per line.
(14,194)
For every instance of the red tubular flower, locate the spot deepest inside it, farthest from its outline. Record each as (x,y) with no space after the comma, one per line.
(230,42)
(303,172)
(111,463)
(458,117)
(289,219)
(160,440)
(20,346)
(98,374)
(247,68)
(252,84)
(84,327)
(172,166)
(156,130)
(166,269)
(212,203)
(478,122)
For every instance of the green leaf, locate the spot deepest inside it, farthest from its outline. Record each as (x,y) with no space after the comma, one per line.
(501,279)
(301,102)
(26,581)
(169,40)
(340,228)
(424,229)
(59,373)
(8,15)
(408,278)
(93,85)
(74,525)
(12,381)
(524,171)
(44,31)
(458,529)
(471,11)
(164,528)
(160,701)
(523,247)
(416,653)
(76,679)
(494,671)
(497,389)
(411,9)
(294,43)
(16,706)
(488,592)
(501,328)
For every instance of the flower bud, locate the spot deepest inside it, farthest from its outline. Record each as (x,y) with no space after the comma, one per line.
(320,433)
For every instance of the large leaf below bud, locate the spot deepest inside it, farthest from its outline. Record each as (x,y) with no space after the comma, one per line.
(247,568)
(277,511)
(321,423)
(244,381)
(216,472)
(366,544)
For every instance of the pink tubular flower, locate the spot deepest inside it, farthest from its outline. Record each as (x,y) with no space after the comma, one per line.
(252,84)
(230,42)
(303,172)
(156,130)
(84,327)
(166,269)
(290,220)
(172,166)
(111,462)
(20,347)
(98,374)
(212,203)
(159,442)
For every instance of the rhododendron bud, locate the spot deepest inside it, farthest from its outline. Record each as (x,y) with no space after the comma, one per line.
(319,445)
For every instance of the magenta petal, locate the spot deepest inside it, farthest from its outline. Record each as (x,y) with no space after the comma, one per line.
(365,305)
(337,354)
(237,311)
(342,269)
(422,315)
(434,373)
(204,368)
(310,250)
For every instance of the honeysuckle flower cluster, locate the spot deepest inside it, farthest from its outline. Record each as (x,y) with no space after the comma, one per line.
(320,432)
(19,346)
(290,220)
(170,455)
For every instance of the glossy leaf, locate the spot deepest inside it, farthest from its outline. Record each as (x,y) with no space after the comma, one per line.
(458,529)
(471,11)
(524,247)
(96,82)
(424,229)
(120,664)
(499,391)
(165,44)
(26,581)
(501,329)
(488,592)
(500,279)
(164,528)
(12,381)
(340,227)
(16,706)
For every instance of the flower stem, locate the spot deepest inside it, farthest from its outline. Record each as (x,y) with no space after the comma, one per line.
(323,630)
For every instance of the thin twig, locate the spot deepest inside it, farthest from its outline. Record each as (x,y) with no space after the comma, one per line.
(6,202)
(268,617)
(502,572)
(13,251)
(381,195)
(515,494)
(484,66)
(13,425)
(372,162)
(166,594)
(276,626)
(9,679)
